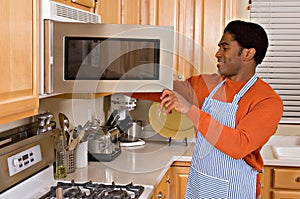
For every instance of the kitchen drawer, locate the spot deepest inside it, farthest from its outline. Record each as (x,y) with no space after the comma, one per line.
(286,178)
(285,194)
(87,3)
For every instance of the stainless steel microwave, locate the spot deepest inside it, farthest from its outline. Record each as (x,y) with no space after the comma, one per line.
(95,58)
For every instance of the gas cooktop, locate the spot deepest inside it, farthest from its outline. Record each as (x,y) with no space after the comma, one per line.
(93,190)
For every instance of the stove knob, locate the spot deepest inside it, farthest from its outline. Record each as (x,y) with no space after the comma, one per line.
(15,162)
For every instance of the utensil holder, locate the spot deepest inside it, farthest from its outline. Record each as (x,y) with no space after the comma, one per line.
(81,155)
(70,161)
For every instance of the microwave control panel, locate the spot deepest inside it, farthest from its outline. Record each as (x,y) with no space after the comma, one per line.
(24,159)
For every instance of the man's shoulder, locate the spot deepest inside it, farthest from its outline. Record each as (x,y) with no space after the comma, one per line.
(265,89)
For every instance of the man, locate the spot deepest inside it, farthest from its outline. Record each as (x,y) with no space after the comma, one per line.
(234,112)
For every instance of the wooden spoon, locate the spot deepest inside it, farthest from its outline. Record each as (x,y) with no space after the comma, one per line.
(75,141)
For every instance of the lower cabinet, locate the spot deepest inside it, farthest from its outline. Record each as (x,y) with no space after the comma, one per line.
(281,182)
(277,182)
(179,177)
(162,190)
(173,184)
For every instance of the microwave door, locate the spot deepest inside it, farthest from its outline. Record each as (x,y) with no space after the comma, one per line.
(95,58)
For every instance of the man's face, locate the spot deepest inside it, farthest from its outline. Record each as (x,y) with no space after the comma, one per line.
(229,56)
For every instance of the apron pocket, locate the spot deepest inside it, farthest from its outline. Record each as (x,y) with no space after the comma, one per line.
(201,185)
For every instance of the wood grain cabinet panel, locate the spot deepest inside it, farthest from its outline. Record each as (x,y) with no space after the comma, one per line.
(87,5)
(281,182)
(162,190)
(179,179)
(288,178)
(285,195)
(19,59)
(173,184)
(198,25)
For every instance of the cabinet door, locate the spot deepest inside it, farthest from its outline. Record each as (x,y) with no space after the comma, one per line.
(110,11)
(87,5)
(179,179)
(282,194)
(119,12)
(198,25)
(162,190)
(286,178)
(19,59)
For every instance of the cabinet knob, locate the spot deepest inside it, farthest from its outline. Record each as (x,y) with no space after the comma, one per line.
(160,195)
(180,77)
(297,179)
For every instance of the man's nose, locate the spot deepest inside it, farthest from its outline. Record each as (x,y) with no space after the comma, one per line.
(218,54)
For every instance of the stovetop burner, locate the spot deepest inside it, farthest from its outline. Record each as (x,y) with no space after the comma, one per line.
(90,190)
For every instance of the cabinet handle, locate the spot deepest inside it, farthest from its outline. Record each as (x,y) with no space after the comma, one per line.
(297,179)
(160,195)
(168,181)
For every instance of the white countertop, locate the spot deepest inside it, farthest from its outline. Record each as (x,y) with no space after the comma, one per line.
(144,165)
(140,165)
(147,164)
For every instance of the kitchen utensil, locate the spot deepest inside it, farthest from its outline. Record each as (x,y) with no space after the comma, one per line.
(76,140)
(65,123)
(100,145)
(61,118)
(174,125)
(113,118)
(71,137)
(133,133)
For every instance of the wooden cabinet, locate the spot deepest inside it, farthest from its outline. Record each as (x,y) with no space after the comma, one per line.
(162,190)
(281,183)
(119,12)
(19,96)
(87,5)
(173,184)
(179,179)
(199,26)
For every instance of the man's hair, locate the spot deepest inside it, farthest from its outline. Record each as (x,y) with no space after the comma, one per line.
(249,35)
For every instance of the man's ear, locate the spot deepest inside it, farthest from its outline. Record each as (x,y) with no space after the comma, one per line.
(249,54)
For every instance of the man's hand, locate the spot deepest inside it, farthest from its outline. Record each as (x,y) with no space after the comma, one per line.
(172,100)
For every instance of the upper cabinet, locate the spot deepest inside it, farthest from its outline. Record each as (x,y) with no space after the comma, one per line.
(19,96)
(87,5)
(198,25)
(119,12)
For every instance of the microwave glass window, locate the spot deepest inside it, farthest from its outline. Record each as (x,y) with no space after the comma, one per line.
(111,59)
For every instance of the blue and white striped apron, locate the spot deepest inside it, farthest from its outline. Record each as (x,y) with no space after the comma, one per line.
(213,174)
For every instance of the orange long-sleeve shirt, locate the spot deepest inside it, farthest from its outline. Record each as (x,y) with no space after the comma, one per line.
(259,112)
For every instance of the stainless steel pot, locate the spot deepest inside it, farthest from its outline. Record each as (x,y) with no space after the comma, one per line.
(134,132)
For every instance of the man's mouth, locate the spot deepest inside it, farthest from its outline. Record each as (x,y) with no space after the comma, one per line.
(220,63)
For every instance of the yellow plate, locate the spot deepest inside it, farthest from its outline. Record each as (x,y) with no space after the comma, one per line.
(174,125)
